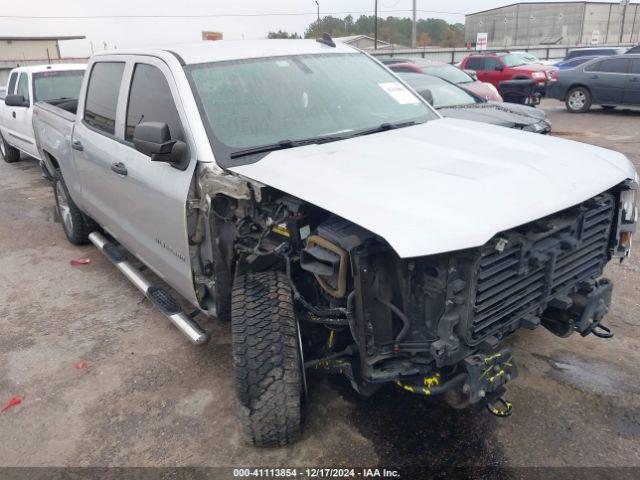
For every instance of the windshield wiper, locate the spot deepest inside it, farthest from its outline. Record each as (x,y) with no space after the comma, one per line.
(383,127)
(283,144)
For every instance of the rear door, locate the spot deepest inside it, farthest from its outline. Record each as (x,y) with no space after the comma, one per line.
(95,142)
(632,92)
(608,80)
(477,64)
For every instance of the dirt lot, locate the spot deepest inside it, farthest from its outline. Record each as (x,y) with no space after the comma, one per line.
(146,397)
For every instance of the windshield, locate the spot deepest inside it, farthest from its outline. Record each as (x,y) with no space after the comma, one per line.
(512,60)
(450,73)
(54,85)
(249,103)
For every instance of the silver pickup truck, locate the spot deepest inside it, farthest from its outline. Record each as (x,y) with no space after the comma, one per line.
(302,191)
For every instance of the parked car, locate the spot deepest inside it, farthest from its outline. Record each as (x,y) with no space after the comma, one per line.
(608,81)
(594,51)
(25,87)
(499,67)
(451,74)
(392,60)
(338,220)
(452,101)
(531,59)
(575,62)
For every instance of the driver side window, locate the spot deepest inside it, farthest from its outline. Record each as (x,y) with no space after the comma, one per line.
(23,86)
(150,100)
(491,64)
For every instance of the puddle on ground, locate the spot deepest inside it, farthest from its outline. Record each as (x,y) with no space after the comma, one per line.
(591,376)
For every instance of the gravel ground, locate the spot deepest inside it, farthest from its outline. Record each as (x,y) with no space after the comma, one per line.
(146,397)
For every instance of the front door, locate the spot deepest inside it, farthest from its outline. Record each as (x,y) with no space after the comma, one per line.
(19,127)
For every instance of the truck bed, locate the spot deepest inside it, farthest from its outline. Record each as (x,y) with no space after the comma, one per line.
(53,125)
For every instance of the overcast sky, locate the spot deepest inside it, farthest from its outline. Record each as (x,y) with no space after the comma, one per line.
(132,32)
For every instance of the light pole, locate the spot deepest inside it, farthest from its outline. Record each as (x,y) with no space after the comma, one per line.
(375,25)
(414,31)
(318,27)
(624,4)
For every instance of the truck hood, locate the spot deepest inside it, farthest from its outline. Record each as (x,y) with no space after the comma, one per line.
(444,185)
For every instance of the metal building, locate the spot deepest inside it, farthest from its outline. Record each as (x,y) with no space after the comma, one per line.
(20,51)
(551,23)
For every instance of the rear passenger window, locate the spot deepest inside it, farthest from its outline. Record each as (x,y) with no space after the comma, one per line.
(23,86)
(150,100)
(102,96)
(474,64)
(611,65)
(12,82)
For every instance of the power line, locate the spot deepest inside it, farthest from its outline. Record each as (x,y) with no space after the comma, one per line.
(219,15)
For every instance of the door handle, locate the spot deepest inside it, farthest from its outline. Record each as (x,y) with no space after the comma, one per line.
(120,168)
(635,79)
(594,77)
(77,145)
(13,114)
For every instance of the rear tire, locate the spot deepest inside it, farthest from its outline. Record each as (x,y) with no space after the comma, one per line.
(267,358)
(578,100)
(76,225)
(9,153)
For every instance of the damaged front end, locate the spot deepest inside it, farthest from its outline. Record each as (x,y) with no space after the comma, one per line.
(433,325)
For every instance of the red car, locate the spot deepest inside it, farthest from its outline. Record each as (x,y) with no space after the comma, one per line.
(498,67)
(451,74)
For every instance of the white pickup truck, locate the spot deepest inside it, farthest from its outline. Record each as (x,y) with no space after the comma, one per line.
(26,86)
(301,190)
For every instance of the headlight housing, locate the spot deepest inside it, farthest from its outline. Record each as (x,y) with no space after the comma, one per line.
(627,218)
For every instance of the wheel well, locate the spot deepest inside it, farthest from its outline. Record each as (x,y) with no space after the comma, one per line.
(52,159)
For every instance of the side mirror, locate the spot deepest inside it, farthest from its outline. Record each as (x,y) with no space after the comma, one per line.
(498,68)
(427,95)
(154,139)
(16,101)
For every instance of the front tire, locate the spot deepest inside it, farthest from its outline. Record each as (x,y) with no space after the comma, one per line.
(266,356)
(76,225)
(9,153)
(578,100)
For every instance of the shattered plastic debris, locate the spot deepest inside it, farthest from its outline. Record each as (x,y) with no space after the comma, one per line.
(12,402)
(80,261)
(80,364)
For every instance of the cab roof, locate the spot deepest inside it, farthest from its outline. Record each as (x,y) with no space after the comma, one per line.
(51,67)
(222,50)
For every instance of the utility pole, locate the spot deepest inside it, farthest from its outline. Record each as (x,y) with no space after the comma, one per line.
(414,30)
(375,25)
(318,27)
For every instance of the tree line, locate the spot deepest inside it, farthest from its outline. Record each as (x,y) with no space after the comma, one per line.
(396,30)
